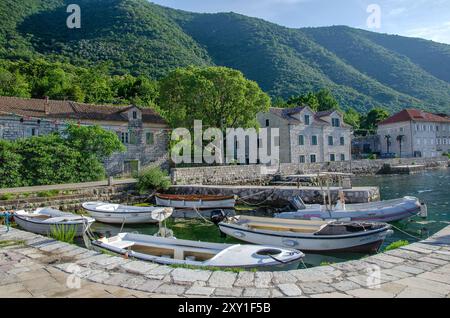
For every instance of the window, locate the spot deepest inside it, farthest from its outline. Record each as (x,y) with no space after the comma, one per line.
(336,122)
(302,159)
(332,157)
(301,140)
(437,128)
(313,158)
(134,115)
(149,138)
(314,140)
(31,131)
(125,137)
(342,157)
(342,141)
(267,123)
(307,120)
(330,141)
(133,138)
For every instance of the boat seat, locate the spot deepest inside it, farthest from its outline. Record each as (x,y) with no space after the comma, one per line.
(284,228)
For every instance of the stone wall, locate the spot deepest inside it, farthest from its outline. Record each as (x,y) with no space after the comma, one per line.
(259,174)
(71,200)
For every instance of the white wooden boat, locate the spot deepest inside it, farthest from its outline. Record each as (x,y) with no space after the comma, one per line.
(42,220)
(383,211)
(123,214)
(170,251)
(314,236)
(195,201)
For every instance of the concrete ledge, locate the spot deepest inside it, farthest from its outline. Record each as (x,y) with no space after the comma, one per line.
(419,270)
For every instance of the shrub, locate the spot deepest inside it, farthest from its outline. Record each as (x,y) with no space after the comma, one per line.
(7,196)
(153,178)
(63,233)
(47,194)
(396,245)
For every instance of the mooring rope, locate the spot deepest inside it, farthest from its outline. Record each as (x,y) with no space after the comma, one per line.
(406,233)
(201,216)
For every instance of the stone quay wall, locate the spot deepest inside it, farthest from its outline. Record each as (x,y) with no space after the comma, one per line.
(281,195)
(260,174)
(418,270)
(71,199)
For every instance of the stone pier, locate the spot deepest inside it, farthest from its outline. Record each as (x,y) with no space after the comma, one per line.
(281,195)
(36,266)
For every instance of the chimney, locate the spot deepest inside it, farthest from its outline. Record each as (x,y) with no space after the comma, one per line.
(47,105)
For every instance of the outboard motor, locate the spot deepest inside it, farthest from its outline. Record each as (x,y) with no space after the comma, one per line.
(217,216)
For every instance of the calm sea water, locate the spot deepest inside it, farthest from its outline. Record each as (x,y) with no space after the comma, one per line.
(432,187)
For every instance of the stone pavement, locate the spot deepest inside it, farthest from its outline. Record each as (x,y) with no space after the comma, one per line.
(35,266)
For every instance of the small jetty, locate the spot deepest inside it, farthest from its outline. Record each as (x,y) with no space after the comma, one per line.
(407,169)
(32,265)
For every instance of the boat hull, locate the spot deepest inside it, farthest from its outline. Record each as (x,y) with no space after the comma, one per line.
(226,256)
(121,214)
(179,202)
(122,218)
(45,228)
(369,242)
(373,212)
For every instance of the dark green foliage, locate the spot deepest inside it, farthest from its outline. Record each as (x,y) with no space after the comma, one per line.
(61,81)
(370,121)
(10,165)
(362,69)
(52,159)
(221,97)
(153,179)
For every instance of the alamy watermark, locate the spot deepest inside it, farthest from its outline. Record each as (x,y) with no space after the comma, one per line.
(74,19)
(73,281)
(373,277)
(374,19)
(238,145)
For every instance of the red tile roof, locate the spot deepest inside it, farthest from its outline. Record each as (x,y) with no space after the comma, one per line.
(414,115)
(54,109)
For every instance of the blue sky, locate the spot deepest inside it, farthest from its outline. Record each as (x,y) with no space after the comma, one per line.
(429,19)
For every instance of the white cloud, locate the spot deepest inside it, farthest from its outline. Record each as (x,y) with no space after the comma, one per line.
(397,11)
(438,33)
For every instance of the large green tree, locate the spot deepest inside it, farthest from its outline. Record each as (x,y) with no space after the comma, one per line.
(93,141)
(370,121)
(219,96)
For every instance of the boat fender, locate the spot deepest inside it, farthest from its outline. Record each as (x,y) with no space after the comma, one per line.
(217,216)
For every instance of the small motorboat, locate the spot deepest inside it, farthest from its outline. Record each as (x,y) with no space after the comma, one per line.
(382,211)
(170,251)
(123,214)
(43,220)
(196,201)
(313,236)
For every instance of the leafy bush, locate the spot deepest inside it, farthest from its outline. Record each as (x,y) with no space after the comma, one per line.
(74,156)
(48,194)
(396,245)
(7,196)
(153,179)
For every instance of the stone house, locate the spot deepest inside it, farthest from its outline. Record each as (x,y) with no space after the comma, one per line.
(423,134)
(307,136)
(142,130)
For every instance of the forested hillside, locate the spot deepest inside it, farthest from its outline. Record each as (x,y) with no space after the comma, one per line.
(362,69)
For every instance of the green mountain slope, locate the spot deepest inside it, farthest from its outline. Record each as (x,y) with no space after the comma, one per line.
(363,69)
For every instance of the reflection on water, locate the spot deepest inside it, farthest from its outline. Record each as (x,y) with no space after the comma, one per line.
(432,187)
